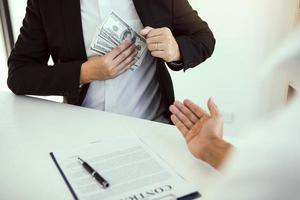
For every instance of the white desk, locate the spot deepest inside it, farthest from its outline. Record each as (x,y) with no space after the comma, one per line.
(31,128)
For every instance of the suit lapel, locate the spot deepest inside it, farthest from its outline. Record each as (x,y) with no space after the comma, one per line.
(144,10)
(71,16)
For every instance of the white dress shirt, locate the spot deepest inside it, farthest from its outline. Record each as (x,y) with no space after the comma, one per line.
(134,93)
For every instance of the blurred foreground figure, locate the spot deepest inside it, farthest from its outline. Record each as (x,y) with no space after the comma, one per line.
(266,167)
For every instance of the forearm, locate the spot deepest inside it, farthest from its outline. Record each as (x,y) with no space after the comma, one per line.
(216,152)
(193,35)
(29,73)
(195,49)
(39,79)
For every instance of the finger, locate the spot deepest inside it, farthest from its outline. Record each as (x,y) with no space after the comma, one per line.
(187,123)
(180,126)
(126,68)
(146,30)
(156,39)
(156,32)
(158,54)
(213,108)
(126,62)
(118,50)
(124,55)
(199,112)
(156,47)
(187,112)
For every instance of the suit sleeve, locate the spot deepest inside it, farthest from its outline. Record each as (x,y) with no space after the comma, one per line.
(28,71)
(195,39)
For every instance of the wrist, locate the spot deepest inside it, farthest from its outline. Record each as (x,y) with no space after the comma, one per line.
(177,57)
(216,152)
(85,74)
(176,65)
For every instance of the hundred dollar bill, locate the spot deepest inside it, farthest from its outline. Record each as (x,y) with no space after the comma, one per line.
(112,32)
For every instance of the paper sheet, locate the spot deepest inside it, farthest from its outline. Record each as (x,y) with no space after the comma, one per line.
(133,171)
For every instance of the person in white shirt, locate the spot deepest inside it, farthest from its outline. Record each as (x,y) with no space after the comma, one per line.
(266,167)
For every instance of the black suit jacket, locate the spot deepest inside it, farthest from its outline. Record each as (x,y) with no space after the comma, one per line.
(53,28)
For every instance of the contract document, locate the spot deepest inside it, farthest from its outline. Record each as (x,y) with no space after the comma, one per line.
(132,169)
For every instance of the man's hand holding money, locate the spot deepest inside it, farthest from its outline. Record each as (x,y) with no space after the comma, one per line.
(162,44)
(109,66)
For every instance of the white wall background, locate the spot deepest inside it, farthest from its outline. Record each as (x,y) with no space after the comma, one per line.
(246,31)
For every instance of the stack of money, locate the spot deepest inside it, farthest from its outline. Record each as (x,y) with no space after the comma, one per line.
(112,32)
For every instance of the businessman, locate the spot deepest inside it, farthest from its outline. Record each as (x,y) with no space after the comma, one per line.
(265,166)
(63,29)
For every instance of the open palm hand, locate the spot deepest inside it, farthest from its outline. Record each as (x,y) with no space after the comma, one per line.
(200,129)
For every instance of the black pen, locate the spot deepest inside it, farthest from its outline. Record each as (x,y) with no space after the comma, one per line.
(94,173)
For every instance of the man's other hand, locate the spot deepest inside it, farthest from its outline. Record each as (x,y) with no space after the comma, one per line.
(162,44)
(202,131)
(109,66)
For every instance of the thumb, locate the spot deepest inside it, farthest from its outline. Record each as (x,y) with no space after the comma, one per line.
(146,30)
(213,108)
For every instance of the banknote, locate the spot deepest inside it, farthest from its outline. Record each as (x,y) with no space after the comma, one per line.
(112,32)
